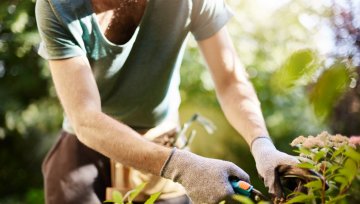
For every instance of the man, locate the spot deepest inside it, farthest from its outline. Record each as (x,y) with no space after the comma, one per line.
(115,66)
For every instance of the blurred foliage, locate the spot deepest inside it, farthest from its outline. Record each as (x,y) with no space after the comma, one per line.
(297,69)
(332,83)
(129,197)
(345,23)
(29,111)
(276,41)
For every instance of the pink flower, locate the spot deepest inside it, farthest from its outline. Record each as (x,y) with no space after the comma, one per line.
(355,140)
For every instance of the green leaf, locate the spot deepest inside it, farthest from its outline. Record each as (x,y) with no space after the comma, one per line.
(297,69)
(263,202)
(332,169)
(305,151)
(300,199)
(294,193)
(306,165)
(337,198)
(333,176)
(242,199)
(135,192)
(117,197)
(332,83)
(349,170)
(341,180)
(319,155)
(353,154)
(153,198)
(315,185)
(222,202)
(338,151)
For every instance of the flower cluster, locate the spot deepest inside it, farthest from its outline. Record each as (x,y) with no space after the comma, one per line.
(323,139)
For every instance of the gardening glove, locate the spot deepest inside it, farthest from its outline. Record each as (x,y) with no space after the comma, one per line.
(205,180)
(267,159)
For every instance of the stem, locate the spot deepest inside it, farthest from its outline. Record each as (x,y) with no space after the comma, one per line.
(323,183)
(344,190)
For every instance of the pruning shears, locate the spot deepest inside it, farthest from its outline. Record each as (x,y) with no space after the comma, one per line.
(288,178)
(246,189)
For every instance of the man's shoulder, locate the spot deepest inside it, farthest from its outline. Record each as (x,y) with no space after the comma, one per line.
(68,10)
(204,1)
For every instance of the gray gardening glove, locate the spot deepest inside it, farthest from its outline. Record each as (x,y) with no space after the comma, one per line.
(267,158)
(205,180)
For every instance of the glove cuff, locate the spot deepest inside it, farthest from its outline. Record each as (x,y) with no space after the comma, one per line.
(258,138)
(167,162)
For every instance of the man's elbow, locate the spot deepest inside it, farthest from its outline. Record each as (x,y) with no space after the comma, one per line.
(83,122)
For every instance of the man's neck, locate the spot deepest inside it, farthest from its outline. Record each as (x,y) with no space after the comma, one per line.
(118,19)
(100,6)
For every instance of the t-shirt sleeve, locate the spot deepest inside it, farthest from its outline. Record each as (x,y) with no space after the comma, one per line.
(208,17)
(57,40)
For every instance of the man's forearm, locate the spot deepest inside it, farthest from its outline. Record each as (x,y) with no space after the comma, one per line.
(235,92)
(119,142)
(242,108)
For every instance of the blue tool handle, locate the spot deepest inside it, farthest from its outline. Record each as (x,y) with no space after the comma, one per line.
(242,188)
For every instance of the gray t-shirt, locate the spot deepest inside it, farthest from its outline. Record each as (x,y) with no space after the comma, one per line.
(138,81)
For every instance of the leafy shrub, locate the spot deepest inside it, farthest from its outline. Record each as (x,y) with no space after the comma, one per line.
(129,197)
(336,159)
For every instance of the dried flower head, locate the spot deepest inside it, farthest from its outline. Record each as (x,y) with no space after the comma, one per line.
(313,142)
(338,138)
(321,140)
(298,141)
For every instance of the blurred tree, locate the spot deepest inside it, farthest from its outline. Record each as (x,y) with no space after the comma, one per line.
(29,113)
(346,26)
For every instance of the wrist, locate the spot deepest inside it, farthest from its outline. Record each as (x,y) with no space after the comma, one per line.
(167,161)
(177,163)
(261,145)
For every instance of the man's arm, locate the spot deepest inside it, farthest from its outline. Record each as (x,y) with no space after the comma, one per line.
(235,92)
(78,93)
(241,106)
